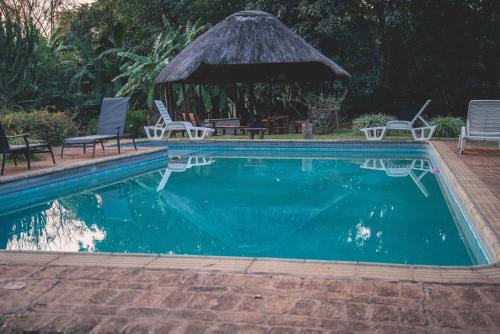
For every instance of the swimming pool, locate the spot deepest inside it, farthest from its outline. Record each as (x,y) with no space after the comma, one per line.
(387,206)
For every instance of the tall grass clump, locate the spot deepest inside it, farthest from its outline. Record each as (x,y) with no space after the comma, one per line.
(447,126)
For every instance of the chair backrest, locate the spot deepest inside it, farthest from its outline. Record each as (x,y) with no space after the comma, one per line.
(4,141)
(113,115)
(163,111)
(483,117)
(419,114)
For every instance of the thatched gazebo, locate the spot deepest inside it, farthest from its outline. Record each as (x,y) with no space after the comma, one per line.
(249,47)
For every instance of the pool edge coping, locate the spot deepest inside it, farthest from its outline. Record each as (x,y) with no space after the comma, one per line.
(310,268)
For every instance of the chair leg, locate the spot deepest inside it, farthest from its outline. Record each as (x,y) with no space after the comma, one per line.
(102,145)
(93,149)
(133,141)
(118,142)
(84,148)
(62,150)
(14,158)
(462,145)
(28,158)
(3,163)
(52,154)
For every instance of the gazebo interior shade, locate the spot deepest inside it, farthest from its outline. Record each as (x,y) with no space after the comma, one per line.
(249,46)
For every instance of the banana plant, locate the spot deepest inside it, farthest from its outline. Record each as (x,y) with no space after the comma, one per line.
(140,71)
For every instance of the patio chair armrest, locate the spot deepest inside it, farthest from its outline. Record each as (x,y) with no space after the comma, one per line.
(373,128)
(423,121)
(425,127)
(19,135)
(25,137)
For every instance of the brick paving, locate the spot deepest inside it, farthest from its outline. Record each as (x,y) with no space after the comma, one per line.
(72,156)
(76,299)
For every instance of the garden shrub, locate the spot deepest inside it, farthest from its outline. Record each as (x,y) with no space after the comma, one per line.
(370,120)
(136,120)
(447,126)
(51,127)
(92,126)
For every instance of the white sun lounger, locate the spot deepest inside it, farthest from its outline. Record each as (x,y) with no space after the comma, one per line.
(483,122)
(420,166)
(165,124)
(181,165)
(421,133)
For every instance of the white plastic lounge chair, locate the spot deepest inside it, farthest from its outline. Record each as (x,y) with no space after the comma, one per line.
(421,133)
(392,169)
(165,124)
(483,122)
(181,165)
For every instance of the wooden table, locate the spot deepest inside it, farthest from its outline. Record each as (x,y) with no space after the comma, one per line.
(276,124)
(231,127)
(253,131)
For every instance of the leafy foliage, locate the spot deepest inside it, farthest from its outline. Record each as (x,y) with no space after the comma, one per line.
(18,43)
(370,120)
(396,51)
(51,127)
(141,71)
(447,126)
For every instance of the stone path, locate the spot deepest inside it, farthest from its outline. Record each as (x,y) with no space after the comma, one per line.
(75,299)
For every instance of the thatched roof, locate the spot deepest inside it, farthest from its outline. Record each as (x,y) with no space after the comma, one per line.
(250,46)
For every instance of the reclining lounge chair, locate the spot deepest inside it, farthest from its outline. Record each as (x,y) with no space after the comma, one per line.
(25,149)
(165,124)
(111,126)
(483,122)
(421,133)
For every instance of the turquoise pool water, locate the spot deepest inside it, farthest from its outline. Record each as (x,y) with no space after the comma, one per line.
(327,207)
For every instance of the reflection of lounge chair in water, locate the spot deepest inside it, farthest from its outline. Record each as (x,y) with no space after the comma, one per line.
(181,165)
(409,168)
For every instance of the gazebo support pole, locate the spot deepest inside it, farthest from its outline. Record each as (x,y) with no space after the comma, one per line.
(200,102)
(270,96)
(251,102)
(185,102)
(171,98)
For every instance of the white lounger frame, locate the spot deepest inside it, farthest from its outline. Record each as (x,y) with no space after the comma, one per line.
(165,124)
(420,166)
(422,133)
(483,123)
(178,166)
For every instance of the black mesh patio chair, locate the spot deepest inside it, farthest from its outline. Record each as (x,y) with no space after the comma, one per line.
(111,126)
(26,149)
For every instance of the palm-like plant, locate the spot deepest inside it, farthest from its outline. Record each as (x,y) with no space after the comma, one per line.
(18,46)
(141,71)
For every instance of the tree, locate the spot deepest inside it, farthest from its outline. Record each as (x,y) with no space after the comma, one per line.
(18,43)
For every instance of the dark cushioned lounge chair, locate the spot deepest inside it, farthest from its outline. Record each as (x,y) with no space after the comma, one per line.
(25,149)
(111,126)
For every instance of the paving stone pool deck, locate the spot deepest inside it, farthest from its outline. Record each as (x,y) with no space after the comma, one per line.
(108,293)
